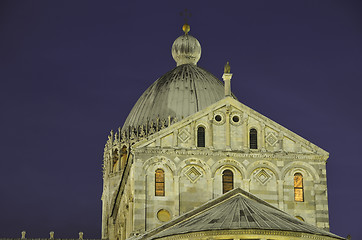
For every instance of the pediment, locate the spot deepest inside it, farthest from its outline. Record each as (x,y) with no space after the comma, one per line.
(227,126)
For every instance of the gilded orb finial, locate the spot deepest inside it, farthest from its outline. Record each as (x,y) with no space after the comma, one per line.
(186,14)
(186,28)
(227,68)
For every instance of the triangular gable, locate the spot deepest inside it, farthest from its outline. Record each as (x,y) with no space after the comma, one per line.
(234,210)
(271,134)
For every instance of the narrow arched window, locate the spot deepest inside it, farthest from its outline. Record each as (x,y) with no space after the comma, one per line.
(159,183)
(227,181)
(298,188)
(201,137)
(115,156)
(253,139)
(115,162)
(123,156)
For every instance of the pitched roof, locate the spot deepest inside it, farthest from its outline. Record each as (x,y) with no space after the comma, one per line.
(235,210)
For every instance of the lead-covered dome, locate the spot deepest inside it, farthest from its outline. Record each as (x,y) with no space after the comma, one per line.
(179,93)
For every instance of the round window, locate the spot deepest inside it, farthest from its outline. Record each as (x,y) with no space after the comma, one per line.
(236,119)
(218,118)
(163,215)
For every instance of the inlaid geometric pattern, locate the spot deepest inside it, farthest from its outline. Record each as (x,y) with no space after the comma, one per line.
(184,135)
(271,139)
(262,176)
(193,174)
(246,162)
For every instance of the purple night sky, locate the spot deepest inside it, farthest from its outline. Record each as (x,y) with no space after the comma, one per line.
(71,71)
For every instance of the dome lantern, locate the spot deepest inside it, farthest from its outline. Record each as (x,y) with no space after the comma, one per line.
(186,49)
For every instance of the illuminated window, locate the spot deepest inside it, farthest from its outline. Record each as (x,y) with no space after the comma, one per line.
(253,138)
(201,137)
(227,181)
(298,188)
(159,183)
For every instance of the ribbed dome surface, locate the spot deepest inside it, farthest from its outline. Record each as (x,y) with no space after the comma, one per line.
(179,93)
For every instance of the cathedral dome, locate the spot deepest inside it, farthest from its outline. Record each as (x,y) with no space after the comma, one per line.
(179,93)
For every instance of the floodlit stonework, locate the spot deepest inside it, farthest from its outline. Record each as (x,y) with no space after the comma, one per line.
(196,131)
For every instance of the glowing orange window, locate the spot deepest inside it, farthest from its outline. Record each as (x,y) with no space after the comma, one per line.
(298,188)
(159,183)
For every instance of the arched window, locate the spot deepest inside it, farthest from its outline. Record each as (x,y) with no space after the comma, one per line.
(159,183)
(123,156)
(201,137)
(227,181)
(115,156)
(115,162)
(298,188)
(253,139)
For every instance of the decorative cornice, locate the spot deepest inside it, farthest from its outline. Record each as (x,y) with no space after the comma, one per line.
(208,152)
(198,235)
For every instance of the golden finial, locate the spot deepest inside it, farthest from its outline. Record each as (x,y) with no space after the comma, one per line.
(227,68)
(186,28)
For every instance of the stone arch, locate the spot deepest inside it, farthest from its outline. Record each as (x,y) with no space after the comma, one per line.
(305,168)
(217,175)
(260,164)
(201,124)
(228,162)
(197,162)
(158,160)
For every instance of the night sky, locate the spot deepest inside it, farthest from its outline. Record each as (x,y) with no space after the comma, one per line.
(70,71)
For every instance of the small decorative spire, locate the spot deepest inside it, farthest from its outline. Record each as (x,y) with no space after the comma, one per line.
(227,77)
(80,235)
(51,235)
(227,68)
(23,235)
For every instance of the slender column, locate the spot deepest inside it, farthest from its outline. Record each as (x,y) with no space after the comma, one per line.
(193,135)
(262,136)
(175,140)
(210,185)
(281,194)
(176,182)
(246,185)
(245,132)
(210,131)
(227,130)
(280,138)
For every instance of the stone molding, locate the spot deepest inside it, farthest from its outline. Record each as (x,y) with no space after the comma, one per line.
(242,233)
(208,152)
